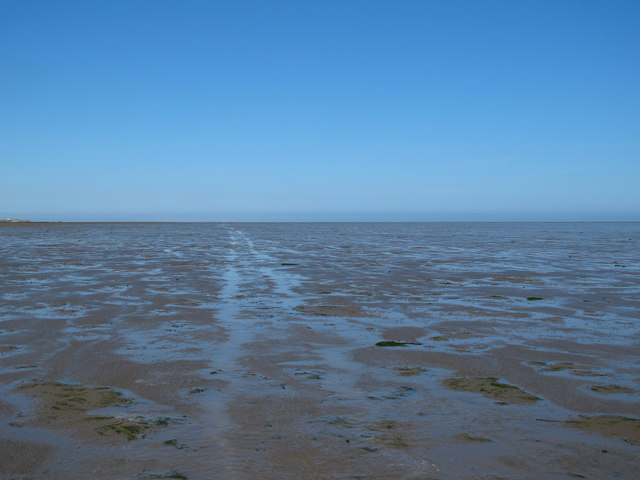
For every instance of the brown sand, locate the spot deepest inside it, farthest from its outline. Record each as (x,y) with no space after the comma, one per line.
(254,351)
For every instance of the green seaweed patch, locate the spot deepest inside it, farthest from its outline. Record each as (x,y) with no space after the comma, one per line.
(109,398)
(625,428)
(388,433)
(177,475)
(174,443)
(576,370)
(491,388)
(453,336)
(534,299)
(537,363)
(410,371)
(607,389)
(586,373)
(558,366)
(162,421)
(66,406)
(401,392)
(366,293)
(62,396)
(170,474)
(310,375)
(466,438)
(393,343)
(341,421)
(394,442)
(130,429)
(97,418)
(195,391)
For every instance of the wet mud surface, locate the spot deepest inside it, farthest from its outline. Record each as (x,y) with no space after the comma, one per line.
(320,351)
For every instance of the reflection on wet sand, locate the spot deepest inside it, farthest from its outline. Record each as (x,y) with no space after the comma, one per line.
(405,351)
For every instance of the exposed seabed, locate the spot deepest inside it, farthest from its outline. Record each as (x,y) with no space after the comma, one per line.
(277,351)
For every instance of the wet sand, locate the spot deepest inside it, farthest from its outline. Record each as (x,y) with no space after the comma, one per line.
(320,351)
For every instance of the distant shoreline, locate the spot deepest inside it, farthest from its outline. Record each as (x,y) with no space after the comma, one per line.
(15,222)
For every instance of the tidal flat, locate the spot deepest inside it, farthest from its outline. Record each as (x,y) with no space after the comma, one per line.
(439,351)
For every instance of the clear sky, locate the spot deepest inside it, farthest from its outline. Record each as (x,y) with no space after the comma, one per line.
(320,110)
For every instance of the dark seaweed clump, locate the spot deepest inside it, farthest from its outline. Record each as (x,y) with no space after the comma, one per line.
(392,343)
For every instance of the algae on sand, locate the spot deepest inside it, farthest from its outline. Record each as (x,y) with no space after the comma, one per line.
(625,428)
(393,343)
(607,389)
(64,397)
(65,406)
(491,388)
(466,438)
(131,429)
(410,371)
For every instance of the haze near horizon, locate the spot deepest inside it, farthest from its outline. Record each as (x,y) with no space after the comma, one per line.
(354,110)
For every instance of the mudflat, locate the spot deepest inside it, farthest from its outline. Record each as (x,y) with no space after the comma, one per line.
(320,351)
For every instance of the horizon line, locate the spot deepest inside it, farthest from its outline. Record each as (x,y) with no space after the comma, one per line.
(15,222)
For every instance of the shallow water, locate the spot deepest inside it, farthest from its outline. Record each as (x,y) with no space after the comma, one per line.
(255,346)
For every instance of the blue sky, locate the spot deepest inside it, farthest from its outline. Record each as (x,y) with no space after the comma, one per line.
(320,110)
